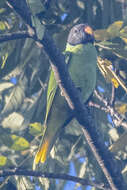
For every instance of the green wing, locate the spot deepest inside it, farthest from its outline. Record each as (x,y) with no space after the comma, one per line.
(51,91)
(52,87)
(52,110)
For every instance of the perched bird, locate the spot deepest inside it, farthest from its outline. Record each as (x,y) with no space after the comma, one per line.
(82,63)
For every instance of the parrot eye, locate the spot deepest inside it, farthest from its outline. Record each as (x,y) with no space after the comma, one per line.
(76,31)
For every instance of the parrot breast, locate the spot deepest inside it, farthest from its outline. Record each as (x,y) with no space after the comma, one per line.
(82,69)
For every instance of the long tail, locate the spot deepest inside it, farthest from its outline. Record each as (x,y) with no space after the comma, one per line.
(41,154)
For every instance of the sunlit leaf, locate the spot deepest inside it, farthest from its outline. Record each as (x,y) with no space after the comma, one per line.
(35,128)
(120,144)
(124,39)
(82,172)
(2,25)
(121,108)
(123,32)
(80,4)
(124,170)
(5,85)
(2,10)
(13,121)
(114,134)
(45,182)
(20,143)
(3,160)
(114,29)
(115,82)
(111,32)
(123,74)
(105,66)
(24,183)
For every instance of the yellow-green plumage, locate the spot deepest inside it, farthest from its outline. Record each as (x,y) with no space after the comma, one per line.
(82,69)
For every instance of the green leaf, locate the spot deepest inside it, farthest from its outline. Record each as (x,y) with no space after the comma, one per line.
(20,143)
(120,144)
(2,25)
(2,10)
(111,32)
(123,32)
(121,107)
(39,27)
(114,29)
(3,160)
(36,6)
(35,128)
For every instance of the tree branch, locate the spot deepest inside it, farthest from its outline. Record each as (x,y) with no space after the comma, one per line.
(19,172)
(14,36)
(102,155)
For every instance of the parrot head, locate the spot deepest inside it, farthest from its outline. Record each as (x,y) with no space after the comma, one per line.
(80,34)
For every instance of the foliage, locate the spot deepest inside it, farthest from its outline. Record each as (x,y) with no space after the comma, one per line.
(24,70)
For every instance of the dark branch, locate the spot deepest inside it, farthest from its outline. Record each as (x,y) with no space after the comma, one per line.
(14,36)
(22,9)
(11,172)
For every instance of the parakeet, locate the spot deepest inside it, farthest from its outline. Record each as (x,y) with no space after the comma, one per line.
(82,63)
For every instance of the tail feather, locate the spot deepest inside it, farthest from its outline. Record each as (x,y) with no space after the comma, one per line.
(41,155)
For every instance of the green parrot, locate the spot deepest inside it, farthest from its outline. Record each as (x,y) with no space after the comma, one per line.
(82,61)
